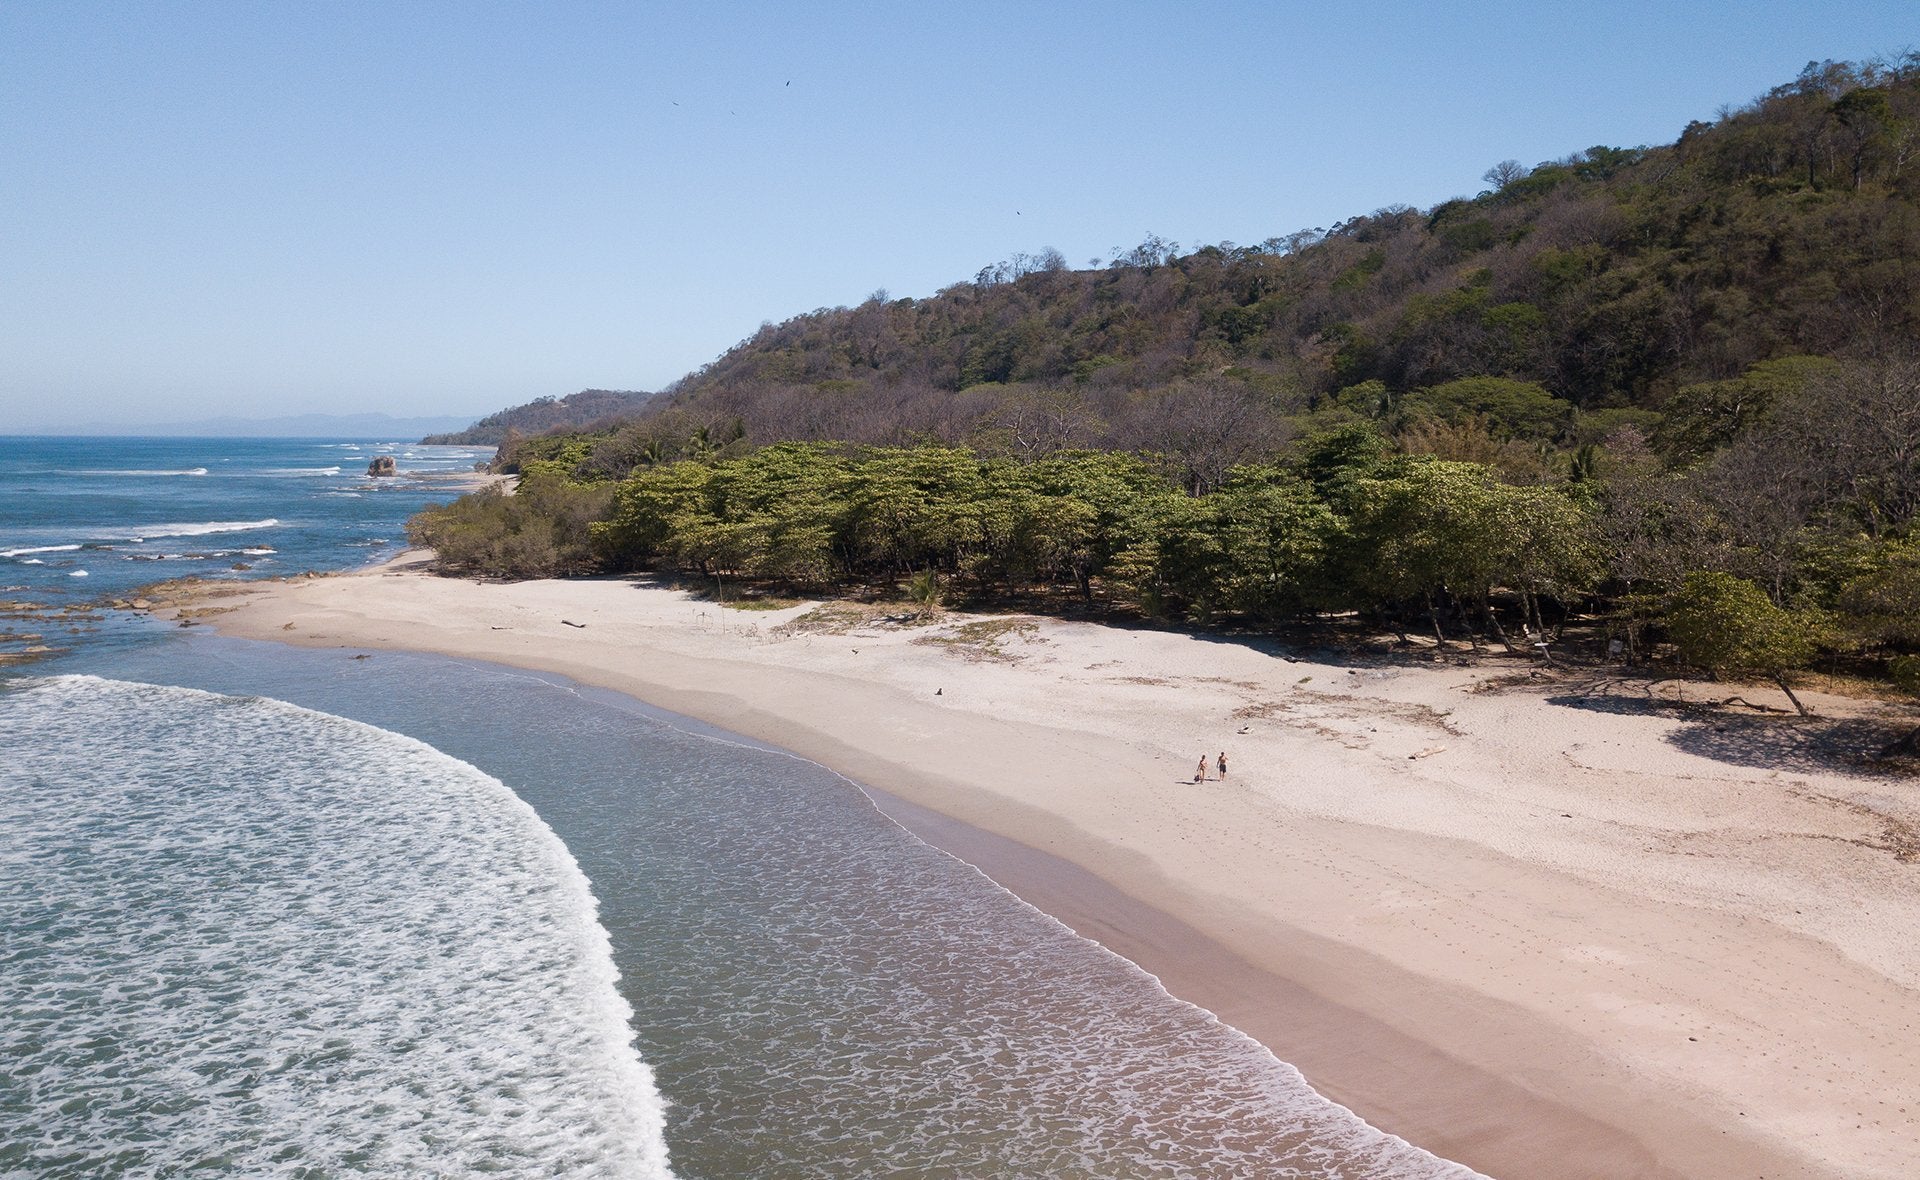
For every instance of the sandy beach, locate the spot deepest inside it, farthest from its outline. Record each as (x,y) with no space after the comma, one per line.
(1542,922)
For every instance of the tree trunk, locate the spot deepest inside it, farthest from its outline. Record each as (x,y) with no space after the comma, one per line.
(1433,614)
(1781,680)
(1493,621)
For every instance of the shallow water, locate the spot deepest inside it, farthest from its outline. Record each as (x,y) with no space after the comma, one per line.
(87,519)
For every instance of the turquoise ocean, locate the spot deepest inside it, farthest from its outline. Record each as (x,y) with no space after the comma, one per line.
(268,911)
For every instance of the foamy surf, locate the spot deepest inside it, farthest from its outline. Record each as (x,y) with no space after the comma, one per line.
(140,471)
(279,942)
(37,549)
(154,532)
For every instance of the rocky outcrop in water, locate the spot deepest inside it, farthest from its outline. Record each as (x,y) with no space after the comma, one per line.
(384,465)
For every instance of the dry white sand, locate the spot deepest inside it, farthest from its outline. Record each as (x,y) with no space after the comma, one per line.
(1536,923)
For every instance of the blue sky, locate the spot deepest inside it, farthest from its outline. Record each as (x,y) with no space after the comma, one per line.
(427,208)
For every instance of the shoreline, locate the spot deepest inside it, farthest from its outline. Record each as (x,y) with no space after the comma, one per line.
(1481,985)
(1348,1056)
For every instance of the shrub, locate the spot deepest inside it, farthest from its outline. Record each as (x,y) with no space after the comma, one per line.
(539,531)
(1729,627)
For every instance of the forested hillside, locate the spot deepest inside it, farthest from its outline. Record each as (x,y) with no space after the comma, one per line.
(580,411)
(1674,390)
(1610,280)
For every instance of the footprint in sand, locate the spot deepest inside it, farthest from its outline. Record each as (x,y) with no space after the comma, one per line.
(1595,954)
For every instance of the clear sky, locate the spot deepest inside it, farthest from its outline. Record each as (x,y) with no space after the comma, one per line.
(423,208)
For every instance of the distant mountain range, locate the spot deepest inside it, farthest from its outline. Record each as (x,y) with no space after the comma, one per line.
(372,426)
(588,408)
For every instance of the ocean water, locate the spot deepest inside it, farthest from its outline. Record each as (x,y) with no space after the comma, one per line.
(90,519)
(310,912)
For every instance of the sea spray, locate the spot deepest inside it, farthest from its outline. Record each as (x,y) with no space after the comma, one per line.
(249,938)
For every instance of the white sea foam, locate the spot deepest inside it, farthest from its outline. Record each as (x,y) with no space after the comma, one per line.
(301,471)
(150,532)
(247,938)
(37,549)
(77,574)
(138,471)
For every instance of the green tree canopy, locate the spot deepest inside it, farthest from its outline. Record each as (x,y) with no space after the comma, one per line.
(1511,409)
(1729,627)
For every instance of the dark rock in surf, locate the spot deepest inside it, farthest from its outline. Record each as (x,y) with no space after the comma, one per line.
(384,465)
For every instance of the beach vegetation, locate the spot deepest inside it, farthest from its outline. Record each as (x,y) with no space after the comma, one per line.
(924,591)
(761,602)
(1729,627)
(540,531)
(1768,556)
(1387,534)
(984,640)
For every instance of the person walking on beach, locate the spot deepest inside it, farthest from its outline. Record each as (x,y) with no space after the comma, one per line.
(1223,765)
(1200,775)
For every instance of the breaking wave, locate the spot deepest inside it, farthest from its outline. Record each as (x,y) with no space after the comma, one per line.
(249,938)
(182,471)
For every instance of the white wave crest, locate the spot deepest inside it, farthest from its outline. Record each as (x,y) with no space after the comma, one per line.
(37,549)
(153,531)
(134,471)
(276,935)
